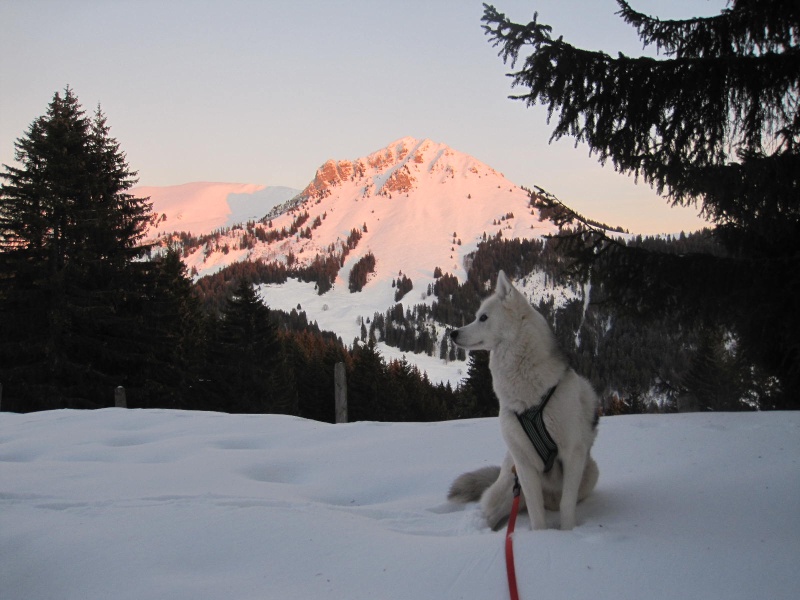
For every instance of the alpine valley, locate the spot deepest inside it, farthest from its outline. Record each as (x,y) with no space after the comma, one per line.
(397,247)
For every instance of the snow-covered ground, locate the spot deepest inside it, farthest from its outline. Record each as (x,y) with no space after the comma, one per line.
(342,312)
(188,505)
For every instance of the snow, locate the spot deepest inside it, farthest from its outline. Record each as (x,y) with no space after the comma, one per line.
(409,229)
(202,207)
(536,288)
(412,230)
(342,312)
(139,504)
(252,206)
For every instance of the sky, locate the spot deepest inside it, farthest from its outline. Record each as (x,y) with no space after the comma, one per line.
(264,92)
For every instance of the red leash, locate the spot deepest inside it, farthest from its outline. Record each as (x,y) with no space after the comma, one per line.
(512,519)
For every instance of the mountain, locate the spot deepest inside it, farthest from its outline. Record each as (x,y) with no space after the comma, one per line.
(415,205)
(379,247)
(413,202)
(420,205)
(202,207)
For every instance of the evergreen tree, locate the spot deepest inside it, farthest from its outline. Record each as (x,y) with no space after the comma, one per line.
(482,401)
(367,385)
(173,327)
(715,124)
(245,355)
(315,376)
(285,394)
(474,396)
(69,234)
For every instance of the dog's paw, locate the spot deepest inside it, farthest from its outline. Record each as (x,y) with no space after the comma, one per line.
(495,518)
(499,524)
(567,522)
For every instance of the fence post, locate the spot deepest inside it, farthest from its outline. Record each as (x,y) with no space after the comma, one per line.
(341,392)
(119,397)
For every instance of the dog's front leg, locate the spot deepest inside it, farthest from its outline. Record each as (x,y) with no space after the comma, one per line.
(528,466)
(573,463)
(531,482)
(497,499)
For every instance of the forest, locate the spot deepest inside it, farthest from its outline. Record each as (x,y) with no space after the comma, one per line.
(636,363)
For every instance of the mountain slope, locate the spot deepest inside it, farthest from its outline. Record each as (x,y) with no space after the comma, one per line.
(413,201)
(417,200)
(415,205)
(202,207)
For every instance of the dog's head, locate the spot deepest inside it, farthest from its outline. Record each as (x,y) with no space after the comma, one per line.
(497,320)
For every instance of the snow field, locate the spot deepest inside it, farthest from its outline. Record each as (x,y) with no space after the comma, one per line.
(168,504)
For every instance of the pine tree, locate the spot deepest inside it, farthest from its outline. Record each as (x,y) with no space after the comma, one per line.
(477,397)
(69,233)
(172,326)
(245,354)
(714,378)
(285,394)
(125,217)
(713,124)
(367,385)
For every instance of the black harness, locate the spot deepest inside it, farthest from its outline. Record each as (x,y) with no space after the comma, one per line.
(533,424)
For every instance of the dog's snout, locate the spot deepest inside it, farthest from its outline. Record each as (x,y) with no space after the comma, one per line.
(454,334)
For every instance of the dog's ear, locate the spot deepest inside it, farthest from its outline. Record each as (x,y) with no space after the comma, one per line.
(504,287)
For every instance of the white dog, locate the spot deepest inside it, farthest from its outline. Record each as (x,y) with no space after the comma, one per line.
(548,415)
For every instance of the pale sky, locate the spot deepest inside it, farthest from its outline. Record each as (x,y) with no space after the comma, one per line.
(261,91)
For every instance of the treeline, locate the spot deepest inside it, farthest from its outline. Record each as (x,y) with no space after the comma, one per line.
(245,358)
(321,271)
(220,240)
(636,363)
(258,360)
(410,330)
(251,359)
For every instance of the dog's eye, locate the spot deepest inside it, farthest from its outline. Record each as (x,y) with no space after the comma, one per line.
(482,318)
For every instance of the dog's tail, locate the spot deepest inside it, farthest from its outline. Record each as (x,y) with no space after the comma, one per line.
(470,486)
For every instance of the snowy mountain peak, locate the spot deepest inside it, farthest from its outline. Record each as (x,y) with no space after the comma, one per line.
(397,168)
(417,205)
(409,210)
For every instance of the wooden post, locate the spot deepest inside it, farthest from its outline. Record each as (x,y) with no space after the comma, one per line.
(119,397)
(341,392)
